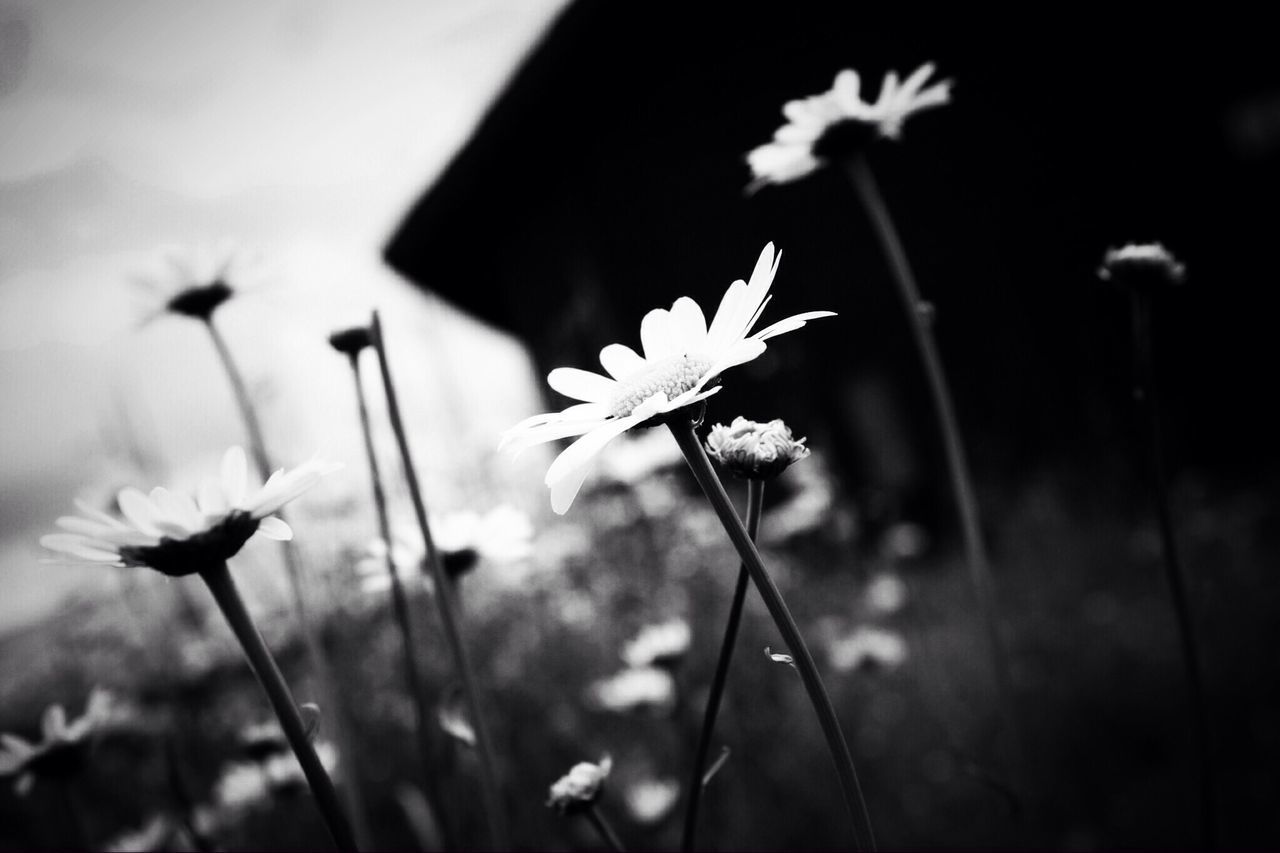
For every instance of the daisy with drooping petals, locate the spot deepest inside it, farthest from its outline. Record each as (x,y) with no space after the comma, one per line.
(178,535)
(837,123)
(682,356)
(61,750)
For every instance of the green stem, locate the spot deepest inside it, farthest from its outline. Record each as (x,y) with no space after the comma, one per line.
(293,570)
(918,317)
(604,828)
(1147,402)
(684,434)
(400,604)
(755,502)
(494,815)
(218,578)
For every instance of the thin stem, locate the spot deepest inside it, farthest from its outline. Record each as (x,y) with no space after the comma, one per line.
(494,816)
(222,586)
(400,604)
(1146,400)
(293,571)
(604,828)
(75,821)
(755,502)
(682,429)
(918,316)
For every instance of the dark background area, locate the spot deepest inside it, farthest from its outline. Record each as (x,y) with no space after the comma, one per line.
(609,179)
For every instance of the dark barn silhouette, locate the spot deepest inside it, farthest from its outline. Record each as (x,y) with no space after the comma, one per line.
(608,179)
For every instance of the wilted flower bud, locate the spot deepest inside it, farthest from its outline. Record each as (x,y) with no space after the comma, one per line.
(351,341)
(1142,266)
(580,787)
(755,451)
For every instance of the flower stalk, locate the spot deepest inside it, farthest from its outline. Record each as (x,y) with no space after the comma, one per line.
(682,428)
(919,316)
(293,570)
(604,828)
(222,586)
(444,592)
(1146,401)
(400,605)
(755,503)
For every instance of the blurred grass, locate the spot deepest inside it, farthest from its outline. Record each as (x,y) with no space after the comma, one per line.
(1097,680)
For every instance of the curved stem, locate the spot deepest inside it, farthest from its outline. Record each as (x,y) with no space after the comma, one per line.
(400,604)
(495,818)
(293,571)
(755,502)
(222,586)
(1147,402)
(682,429)
(918,317)
(604,828)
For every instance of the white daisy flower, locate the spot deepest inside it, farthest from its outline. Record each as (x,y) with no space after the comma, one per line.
(868,646)
(838,122)
(62,747)
(1142,265)
(580,787)
(682,356)
(177,534)
(661,644)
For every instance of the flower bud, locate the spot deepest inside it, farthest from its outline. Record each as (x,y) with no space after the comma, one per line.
(580,787)
(755,451)
(1144,266)
(351,341)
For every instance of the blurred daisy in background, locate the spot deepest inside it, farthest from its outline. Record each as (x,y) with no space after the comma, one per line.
(838,123)
(635,689)
(650,800)
(176,534)
(194,281)
(867,647)
(63,746)
(580,787)
(663,644)
(682,356)
(502,535)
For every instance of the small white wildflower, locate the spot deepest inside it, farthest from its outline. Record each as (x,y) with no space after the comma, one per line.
(1142,265)
(580,787)
(868,646)
(634,689)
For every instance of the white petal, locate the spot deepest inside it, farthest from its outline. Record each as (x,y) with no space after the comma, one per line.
(790,324)
(551,432)
(570,468)
(137,509)
(54,722)
(78,547)
(235,471)
(655,334)
(83,526)
(621,361)
(718,337)
(581,384)
(650,406)
(688,326)
(585,414)
(740,353)
(275,528)
(211,500)
(917,79)
(96,514)
(848,89)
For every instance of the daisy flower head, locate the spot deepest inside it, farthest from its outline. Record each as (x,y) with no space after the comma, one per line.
(682,356)
(179,535)
(837,123)
(1142,266)
(580,787)
(197,280)
(755,451)
(62,747)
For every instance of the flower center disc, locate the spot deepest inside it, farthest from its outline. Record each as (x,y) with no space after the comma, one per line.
(672,377)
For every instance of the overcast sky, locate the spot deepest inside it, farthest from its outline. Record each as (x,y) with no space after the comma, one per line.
(301,131)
